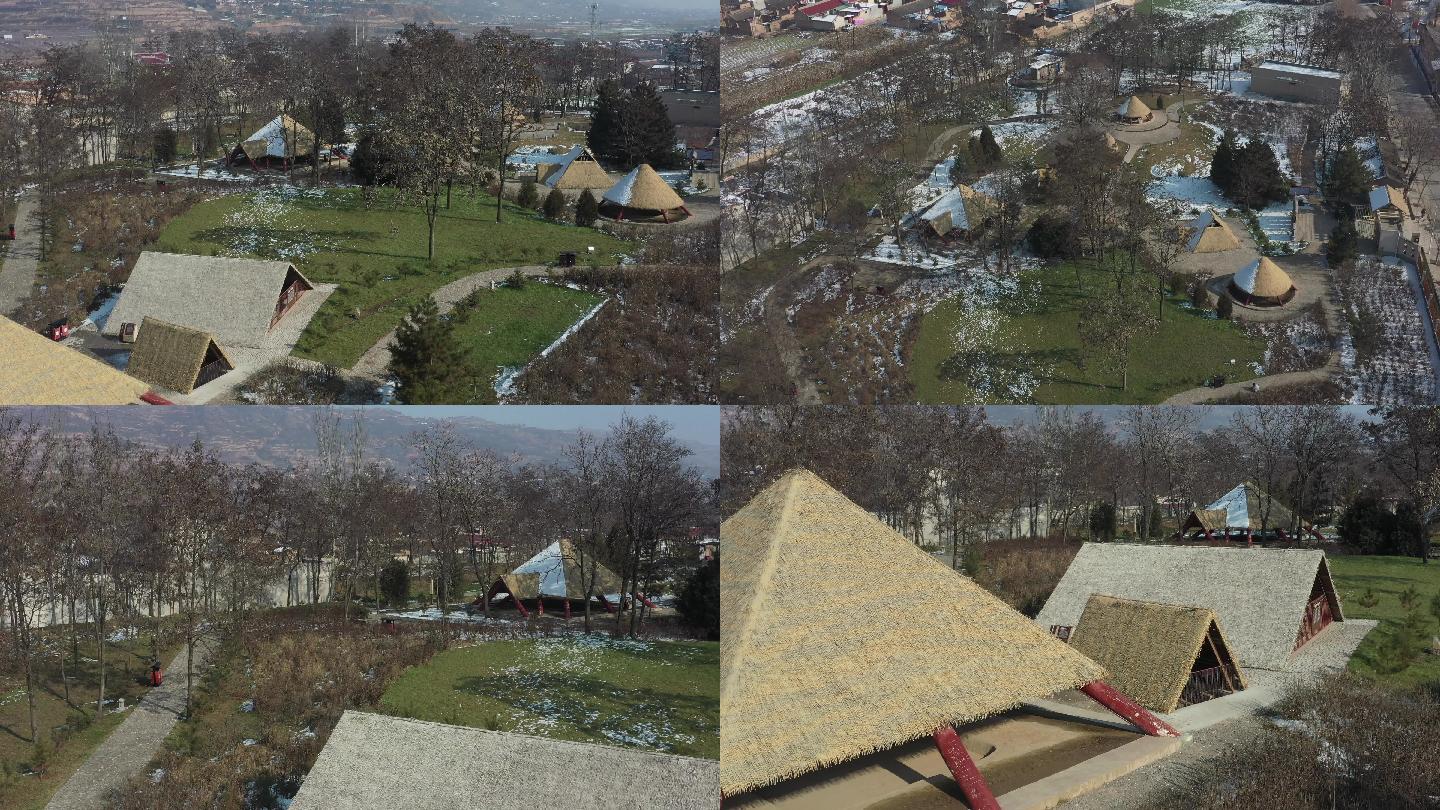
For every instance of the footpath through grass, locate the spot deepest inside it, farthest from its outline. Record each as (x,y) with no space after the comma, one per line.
(1035,335)
(377,254)
(1386,578)
(661,695)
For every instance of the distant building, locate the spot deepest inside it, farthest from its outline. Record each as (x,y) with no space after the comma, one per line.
(1292,82)
(838,15)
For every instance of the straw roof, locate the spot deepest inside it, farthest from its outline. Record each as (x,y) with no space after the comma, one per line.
(1386,197)
(38,371)
(171,356)
(1211,234)
(1264,279)
(1212,519)
(1247,506)
(375,761)
(282,138)
(579,171)
(1134,108)
(644,190)
(1258,594)
(1150,648)
(555,573)
(840,638)
(232,299)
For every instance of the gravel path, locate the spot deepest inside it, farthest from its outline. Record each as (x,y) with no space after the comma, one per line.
(374,362)
(130,746)
(17,274)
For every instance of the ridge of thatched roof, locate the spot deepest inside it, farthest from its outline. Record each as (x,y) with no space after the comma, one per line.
(555,573)
(36,370)
(1259,594)
(283,137)
(1149,648)
(579,171)
(232,299)
(1134,108)
(1264,279)
(1212,234)
(840,638)
(372,760)
(645,190)
(1247,506)
(170,355)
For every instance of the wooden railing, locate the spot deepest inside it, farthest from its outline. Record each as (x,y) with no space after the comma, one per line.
(1204,684)
(1317,616)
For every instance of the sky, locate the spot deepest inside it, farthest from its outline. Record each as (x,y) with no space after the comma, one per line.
(696,423)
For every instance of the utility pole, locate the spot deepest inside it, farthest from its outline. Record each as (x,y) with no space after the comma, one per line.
(594,12)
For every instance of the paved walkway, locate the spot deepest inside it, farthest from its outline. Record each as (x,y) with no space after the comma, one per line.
(374,362)
(131,746)
(22,260)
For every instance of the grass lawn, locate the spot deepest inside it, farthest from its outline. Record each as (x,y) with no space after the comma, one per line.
(1037,333)
(127,660)
(648,694)
(507,327)
(376,255)
(1386,577)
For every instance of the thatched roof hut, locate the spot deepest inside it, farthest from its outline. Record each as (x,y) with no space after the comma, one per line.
(840,638)
(1246,508)
(237,301)
(1264,598)
(372,760)
(177,357)
(1163,656)
(1262,284)
(643,194)
(283,140)
(556,573)
(1134,111)
(579,171)
(38,371)
(1211,234)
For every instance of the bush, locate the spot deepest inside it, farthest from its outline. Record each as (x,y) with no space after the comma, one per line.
(554,209)
(1368,599)
(395,583)
(1225,308)
(516,280)
(1103,521)
(699,601)
(1054,237)
(528,196)
(587,209)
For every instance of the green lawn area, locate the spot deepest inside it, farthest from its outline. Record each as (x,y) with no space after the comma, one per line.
(377,256)
(507,327)
(127,660)
(1035,333)
(659,695)
(1386,577)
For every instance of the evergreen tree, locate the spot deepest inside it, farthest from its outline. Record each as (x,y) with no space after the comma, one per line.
(587,209)
(425,360)
(395,583)
(1224,308)
(1257,179)
(961,171)
(649,127)
(555,205)
(605,136)
(166,145)
(1343,246)
(985,151)
(1222,167)
(1103,522)
(699,600)
(1159,102)
(528,196)
(1348,181)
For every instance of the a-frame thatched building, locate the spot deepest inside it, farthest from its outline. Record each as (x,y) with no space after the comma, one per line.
(280,144)
(643,194)
(1270,601)
(177,357)
(35,370)
(1246,512)
(1163,656)
(578,172)
(1211,234)
(556,575)
(823,661)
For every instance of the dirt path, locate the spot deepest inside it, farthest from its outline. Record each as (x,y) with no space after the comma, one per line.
(130,746)
(374,362)
(1201,395)
(778,322)
(22,260)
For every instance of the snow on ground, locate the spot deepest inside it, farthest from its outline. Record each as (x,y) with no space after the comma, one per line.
(1193,194)
(506,378)
(257,227)
(1008,134)
(1390,360)
(101,314)
(912,254)
(215,172)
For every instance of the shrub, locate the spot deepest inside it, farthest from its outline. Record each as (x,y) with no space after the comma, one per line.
(395,582)
(1225,308)
(555,205)
(516,280)
(1369,599)
(699,602)
(528,196)
(587,209)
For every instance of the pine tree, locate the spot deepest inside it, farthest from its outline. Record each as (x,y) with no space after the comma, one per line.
(587,209)
(555,205)
(960,170)
(1348,180)
(1222,167)
(985,151)
(605,136)
(425,361)
(1343,246)
(1257,180)
(648,126)
(528,196)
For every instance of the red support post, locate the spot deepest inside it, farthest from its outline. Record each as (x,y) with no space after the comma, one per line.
(1249,537)
(567,609)
(540,605)
(1111,698)
(606,603)
(647,602)
(520,606)
(962,767)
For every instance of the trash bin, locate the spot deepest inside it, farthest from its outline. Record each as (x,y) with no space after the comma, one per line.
(157,676)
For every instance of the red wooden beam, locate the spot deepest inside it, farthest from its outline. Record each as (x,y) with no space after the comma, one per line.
(1112,699)
(152,398)
(962,767)
(567,609)
(606,603)
(520,606)
(642,598)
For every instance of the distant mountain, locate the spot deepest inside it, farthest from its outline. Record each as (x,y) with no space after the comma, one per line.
(284,437)
(610,10)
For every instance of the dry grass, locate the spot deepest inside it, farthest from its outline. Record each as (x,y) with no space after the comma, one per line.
(1024,572)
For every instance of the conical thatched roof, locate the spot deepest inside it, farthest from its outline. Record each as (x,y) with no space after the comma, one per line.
(839,638)
(1211,234)
(171,356)
(35,370)
(555,573)
(580,171)
(1134,108)
(1264,279)
(1260,594)
(645,190)
(283,137)
(1150,648)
